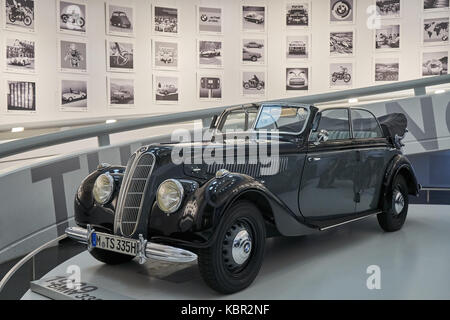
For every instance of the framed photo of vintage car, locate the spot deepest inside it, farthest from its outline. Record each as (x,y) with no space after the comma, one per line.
(19,16)
(165,21)
(254,51)
(298,47)
(166,88)
(254,18)
(120,19)
(209,86)
(19,53)
(210,20)
(210,53)
(21,95)
(165,54)
(73,55)
(298,79)
(119,55)
(73,94)
(386,69)
(72,17)
(434,62)
(120,92)
(298,15)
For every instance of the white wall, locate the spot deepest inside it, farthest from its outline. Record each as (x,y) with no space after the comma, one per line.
(48,77)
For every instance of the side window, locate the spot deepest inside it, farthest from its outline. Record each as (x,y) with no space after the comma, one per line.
(336,123)
(365,126)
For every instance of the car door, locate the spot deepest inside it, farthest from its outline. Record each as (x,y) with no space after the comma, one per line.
(373,154)
(327,189)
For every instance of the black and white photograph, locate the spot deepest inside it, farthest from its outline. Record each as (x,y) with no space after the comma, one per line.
(388,8)
(387,37)
(74,95)
(120,56)
(254,51)
(165,89)
(298,14)
(342,11)
(119,20)
(21,96)
(435,31)
(342,43)
(434,63)
(73,56)
(19,15)
(120,92)
(253,83)
(341,74)
(298,47)
(297,79)
(72,17)
(209,20)
(165,55)
(210,54)
(165,21)
(254,18)
(20,55)
(209,86)
(387,69)
(435,5)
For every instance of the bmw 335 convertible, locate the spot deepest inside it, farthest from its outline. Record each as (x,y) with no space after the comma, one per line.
(328,166)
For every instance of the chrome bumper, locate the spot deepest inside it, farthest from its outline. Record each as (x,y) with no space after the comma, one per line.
(147,249)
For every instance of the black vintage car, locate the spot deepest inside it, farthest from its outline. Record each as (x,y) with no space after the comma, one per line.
(120,19)
(324,167)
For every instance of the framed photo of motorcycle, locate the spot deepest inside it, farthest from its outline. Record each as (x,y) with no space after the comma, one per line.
(72,53)
(71,17)
(19,53)
(19,15)
(120,19)
(341,74)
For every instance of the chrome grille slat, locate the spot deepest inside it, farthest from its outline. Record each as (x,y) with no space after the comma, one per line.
(131,197)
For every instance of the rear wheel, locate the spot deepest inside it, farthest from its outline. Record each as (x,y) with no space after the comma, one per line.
(396,206)
(233,261)
(110,257)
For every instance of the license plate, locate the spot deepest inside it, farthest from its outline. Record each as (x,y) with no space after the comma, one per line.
(114,243)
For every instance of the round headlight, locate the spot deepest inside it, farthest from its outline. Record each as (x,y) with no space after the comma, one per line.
(103,188)
(169,195)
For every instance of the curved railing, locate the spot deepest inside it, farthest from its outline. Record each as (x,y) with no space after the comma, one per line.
(28,257)
(103,131)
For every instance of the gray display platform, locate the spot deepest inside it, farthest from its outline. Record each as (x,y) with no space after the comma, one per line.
(413,262)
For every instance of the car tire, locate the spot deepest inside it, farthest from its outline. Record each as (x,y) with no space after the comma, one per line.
(227,270)
(109,257)
(395,207)
(254,58)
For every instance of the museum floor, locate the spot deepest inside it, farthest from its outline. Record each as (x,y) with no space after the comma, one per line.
(414,264)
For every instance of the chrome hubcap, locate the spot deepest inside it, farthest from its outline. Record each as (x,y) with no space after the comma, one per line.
(242,247)
(399,202)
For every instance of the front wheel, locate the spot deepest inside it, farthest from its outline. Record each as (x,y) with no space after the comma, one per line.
(12,18)
(234,259)
(396,206)
(27,21)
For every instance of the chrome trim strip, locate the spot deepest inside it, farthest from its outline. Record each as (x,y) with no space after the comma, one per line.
(148,250)
(353,220)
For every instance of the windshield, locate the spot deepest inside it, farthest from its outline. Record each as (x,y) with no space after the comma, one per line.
(239,120)
(290,119)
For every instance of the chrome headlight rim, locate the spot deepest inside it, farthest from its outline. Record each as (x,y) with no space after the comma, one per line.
(180,188)
(111,193)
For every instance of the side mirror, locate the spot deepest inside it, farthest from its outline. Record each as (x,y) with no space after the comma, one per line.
(322,136)
(213,122)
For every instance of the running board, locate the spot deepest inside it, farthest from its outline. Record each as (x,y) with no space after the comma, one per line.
(349,221)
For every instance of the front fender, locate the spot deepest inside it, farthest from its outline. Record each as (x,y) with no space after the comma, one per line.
(86,211)
(400,165)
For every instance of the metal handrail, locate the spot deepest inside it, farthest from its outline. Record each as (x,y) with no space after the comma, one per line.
(103,131)
(27,258)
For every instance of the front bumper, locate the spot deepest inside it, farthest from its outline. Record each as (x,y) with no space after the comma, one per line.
(147,249)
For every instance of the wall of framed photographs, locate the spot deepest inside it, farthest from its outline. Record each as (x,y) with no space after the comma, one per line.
(85,58)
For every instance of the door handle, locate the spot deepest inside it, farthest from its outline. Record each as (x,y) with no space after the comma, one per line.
(313,159)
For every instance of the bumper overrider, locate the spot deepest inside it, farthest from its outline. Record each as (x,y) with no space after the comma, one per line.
(146,249)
